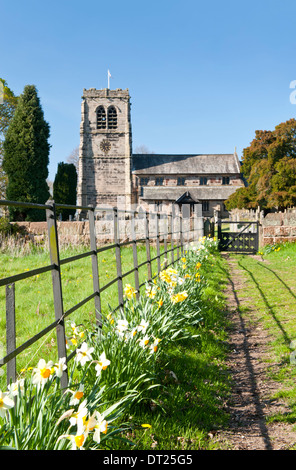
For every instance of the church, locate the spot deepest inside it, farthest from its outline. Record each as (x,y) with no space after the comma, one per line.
(111,175)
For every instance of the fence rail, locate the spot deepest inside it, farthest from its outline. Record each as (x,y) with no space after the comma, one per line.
(55,267)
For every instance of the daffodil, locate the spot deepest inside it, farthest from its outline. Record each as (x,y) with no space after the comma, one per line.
(16,387)
(79,417)
(159,303)
(154,345)
(102,363)
(144,341)
(60,367)
(42,372)
(122,325)
(109,317)
(129,291)
(77,440)
(6,402)
(76,395)
(98,424)
(83,354)
(151,291)
(143,326)
(179,297)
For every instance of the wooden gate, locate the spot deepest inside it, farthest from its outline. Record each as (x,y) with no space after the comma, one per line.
(244,240)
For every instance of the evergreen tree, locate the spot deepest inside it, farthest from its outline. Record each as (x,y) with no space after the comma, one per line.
(26,156)
(64,188)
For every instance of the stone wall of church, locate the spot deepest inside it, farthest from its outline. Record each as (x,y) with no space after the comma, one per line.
(104,173)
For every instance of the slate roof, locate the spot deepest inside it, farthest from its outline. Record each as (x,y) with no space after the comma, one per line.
(197,193)
(147,164)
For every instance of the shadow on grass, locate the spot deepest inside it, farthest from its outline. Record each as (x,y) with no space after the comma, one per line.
(264,298)
(249,366)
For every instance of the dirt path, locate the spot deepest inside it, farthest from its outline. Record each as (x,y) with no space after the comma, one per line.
(251,401)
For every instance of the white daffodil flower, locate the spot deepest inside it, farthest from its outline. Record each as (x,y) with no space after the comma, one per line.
(83,354)
(102,363)
(42,372)
(6,402)
(60,367)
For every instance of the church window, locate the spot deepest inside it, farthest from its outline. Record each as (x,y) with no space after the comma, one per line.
(203,180)
(158,181)
(181,181)
(225,180)
(144,181)
(101,118)
(112,118)
(205,206)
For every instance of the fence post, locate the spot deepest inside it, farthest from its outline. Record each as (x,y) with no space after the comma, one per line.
(172,238)
(10,331)
(165,240)
(158,242)
(118,256)
(57,286)
(135,255)
(94,261)
(148,254)
(181,234)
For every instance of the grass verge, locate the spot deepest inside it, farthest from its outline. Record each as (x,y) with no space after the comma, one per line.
(271,290)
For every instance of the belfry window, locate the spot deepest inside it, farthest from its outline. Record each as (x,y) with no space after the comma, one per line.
(112,118)
(101,118)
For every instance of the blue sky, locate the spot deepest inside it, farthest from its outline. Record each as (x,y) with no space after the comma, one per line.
(203,76)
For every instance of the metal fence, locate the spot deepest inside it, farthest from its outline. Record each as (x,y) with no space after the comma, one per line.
(50,208)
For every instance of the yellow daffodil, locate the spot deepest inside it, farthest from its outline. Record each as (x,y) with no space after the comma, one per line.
(159,303)
(129,291)
(109,317)
(179,297)
(151,291)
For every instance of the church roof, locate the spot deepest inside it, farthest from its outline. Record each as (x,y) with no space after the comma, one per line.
(144,164)
(199,193)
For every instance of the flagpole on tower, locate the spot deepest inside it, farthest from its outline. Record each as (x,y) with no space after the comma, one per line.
(109,76)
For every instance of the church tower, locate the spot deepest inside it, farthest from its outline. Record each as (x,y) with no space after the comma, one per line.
(105,150)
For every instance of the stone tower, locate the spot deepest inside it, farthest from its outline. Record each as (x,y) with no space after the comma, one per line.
(105,150)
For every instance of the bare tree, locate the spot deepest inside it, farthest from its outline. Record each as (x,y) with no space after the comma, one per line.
(143,149)
(74,158)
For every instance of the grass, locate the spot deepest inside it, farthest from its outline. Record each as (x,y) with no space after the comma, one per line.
(271,290)
(34,297)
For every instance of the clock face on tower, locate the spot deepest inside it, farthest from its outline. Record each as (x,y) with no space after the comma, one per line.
(105,146)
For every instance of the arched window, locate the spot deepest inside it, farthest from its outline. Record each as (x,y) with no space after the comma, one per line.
(101,118)
(112,118)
